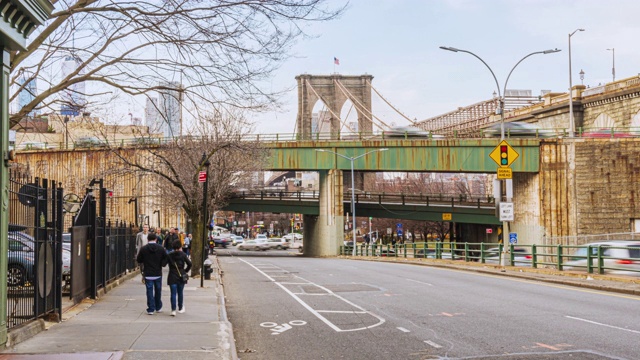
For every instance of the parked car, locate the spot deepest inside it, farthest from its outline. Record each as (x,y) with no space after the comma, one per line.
(622,255)
(279,243)
(23,247)
(521,256)
(236,239)
(254,245)
(19,265)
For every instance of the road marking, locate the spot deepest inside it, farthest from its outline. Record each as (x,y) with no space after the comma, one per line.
(403,329)
(420,282)
(447,314)
(429,342)
(601,324)
(341,312)
(315,312)
(548,346)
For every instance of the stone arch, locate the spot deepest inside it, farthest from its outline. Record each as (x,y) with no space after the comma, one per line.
(604,121)
(635,123)
(327,91)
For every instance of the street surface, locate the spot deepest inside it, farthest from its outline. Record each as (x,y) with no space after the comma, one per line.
(284,306)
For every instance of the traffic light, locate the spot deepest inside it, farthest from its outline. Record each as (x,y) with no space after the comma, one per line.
(504,155)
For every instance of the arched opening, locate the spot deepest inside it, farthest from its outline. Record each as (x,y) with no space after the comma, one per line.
(603,121)
(320,118)
(349,117)
(634,127)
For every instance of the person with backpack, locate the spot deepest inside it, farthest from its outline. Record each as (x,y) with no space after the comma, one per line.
(179,266)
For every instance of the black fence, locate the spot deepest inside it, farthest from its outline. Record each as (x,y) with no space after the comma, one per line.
(36,259)
(102,251)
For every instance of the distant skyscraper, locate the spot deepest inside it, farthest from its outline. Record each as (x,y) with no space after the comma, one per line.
(170,105)
(27,94)
(321,122)
(152,116)
(73,97)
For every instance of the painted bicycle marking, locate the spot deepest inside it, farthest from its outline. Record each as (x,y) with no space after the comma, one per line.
(279,329)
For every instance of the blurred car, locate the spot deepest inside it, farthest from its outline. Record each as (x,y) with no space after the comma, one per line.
(517,129)
(521,256)
(261,237)
(292,237)
(279,243)
(410,132)
(236,239)
(66,241)
(387,252)
(258,245)
(222,241)
(32,145)
(421,253)
(622,255)
(90,142)
(605,133)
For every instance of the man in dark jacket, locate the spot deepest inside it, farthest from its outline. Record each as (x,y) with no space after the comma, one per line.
(153,257)
(170,239)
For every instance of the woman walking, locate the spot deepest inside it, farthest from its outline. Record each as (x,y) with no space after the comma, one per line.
(179,266)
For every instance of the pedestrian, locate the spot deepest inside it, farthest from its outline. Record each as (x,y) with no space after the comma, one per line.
(187,245)
(141,238)
(153,258)
(179,266)
(169,239)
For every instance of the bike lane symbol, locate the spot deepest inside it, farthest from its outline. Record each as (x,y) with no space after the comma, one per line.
(279,329)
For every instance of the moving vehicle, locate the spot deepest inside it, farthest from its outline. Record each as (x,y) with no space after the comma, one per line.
(518,129)
(521,256)
(410,132)
(261,237)
(619,257)
(279,243)
(258,245)
(293,237)
(236,239)
(605,133)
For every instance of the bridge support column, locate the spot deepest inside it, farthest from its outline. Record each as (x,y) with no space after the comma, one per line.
(323,234)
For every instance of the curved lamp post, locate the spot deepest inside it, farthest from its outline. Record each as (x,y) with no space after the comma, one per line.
(501,96)
(353,198)
(572,126)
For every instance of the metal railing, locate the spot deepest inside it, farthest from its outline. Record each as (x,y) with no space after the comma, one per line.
(596,259)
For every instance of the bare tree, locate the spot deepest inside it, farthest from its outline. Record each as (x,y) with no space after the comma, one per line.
(210,52)
(174,169)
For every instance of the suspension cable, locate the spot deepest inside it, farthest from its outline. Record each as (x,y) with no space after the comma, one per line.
(362,107)
(393,107)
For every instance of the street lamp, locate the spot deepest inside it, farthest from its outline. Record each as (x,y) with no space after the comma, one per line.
(157,212)
(66,132)
(205,214)
(353,197)
(613,68)
(505,224)
(571,121)
(134,200)
(581,77)
(501,97)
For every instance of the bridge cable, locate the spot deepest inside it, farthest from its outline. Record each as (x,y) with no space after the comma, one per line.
(393,107)
(320,97)
(362,107)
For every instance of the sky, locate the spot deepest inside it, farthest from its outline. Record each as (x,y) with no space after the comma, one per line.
(397,41)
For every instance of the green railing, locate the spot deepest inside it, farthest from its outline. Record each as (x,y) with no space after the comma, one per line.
(593,259)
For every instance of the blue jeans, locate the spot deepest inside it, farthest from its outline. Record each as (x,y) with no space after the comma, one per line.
(154,301)
(177,289)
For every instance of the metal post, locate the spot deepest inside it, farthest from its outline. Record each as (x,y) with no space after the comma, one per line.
(572,126)
(205,162)
(158,212)
(353,207)
(613,68)
(134,200)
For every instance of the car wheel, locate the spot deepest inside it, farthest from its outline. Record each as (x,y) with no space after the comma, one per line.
(279,247)
(16,275)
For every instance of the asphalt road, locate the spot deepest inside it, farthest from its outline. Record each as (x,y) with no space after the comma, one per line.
(291,307)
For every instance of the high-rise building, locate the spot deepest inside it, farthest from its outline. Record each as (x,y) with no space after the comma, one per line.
(27,94)
(73,97)
(321,122)
(152,116)
(170,104)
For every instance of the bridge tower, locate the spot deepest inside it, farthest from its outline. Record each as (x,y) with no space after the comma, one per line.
(328,89)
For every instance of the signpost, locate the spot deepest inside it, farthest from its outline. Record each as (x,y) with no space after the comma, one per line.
(513,238)
(446,216)
(506,211)
(202,176)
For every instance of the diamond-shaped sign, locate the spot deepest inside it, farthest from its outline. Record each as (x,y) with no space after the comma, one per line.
(504,155)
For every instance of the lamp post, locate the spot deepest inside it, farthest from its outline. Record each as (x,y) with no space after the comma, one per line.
(205,215)
(613,68)
(501,97)
(66,132)
(572,126)
(353,197)
(505,224)
(134,200)
(157,212)
(581,77)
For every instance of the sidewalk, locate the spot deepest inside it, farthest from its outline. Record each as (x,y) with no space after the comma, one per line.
(116,326)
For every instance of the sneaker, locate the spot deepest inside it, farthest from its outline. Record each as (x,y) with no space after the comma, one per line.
(181,311)
(159,311)
(150,313)
(173,313)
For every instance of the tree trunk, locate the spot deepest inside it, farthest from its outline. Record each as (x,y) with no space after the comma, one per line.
(197,246)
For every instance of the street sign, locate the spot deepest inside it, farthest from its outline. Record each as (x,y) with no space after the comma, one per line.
(446,216)
(513,238)
(503,154)
(399,232)
(505,173)
(506,211)
(202,176)
(389,231)
(489,231)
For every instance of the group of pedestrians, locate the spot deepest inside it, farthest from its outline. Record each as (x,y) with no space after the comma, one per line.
(152,257)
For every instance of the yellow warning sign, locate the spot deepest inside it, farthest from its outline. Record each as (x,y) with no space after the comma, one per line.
(504,155)
(505,173)
(446,216)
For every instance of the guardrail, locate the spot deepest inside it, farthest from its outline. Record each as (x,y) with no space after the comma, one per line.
(374,197)
(593,259)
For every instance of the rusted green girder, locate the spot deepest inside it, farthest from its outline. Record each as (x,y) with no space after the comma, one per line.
(451,155)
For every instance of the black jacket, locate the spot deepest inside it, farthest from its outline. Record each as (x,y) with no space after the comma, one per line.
(168,241)
(154,258)
(180,259)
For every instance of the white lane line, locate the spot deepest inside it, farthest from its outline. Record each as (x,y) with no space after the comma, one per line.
(341,312)
(313,311)
(429,342)
(403,329)
(601,324)
(420,282)
(307,294)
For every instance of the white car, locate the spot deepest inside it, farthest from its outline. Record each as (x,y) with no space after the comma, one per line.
(279,243)
(293,237)
(619,257)
(236,239)
(261,237)
(254,245)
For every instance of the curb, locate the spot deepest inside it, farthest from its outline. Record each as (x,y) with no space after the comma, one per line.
(223,310)
(526,273)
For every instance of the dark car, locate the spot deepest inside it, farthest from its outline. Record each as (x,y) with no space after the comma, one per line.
(222,241)
(20,262)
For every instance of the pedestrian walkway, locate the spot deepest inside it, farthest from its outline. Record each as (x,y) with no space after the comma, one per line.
(117,327)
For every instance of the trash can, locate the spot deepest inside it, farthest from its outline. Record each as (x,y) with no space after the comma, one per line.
(208,269)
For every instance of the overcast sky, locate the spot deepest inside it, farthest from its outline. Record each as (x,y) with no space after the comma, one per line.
(397,42)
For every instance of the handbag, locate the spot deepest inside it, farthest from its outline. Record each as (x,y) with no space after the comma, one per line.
(184,277)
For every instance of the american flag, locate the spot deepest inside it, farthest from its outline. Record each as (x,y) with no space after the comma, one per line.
(336,60)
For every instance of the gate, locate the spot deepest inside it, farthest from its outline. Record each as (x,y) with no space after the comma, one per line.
(35,256)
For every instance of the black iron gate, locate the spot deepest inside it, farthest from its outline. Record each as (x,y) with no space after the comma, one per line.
(35,256)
